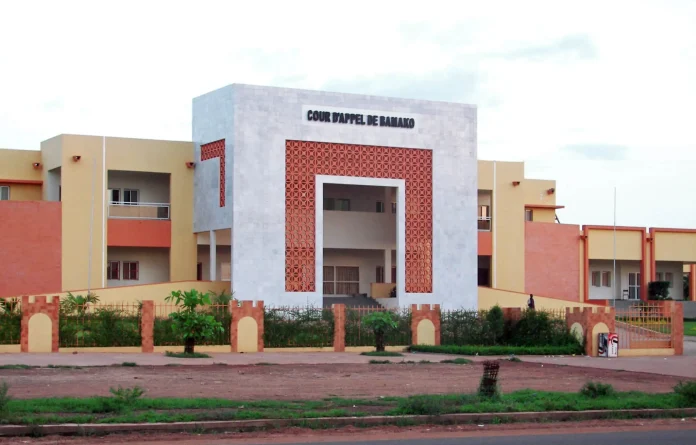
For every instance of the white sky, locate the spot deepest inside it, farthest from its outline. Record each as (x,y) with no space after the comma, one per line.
(610,83)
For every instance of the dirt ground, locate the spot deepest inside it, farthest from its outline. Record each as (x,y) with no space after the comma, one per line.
(296,382)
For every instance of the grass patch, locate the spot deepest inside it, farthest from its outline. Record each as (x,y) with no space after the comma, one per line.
(458,361)
(498,350)
(266,364)
(690,328)
(595,390)
(127,405)
(186,355)
(129,364)
(382,354)
(15,367)
(379,362)
(687,390)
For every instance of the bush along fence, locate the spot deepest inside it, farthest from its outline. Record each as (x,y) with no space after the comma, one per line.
(45,324)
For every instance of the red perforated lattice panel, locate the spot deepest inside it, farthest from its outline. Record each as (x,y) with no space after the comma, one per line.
(304,160)
(216,150)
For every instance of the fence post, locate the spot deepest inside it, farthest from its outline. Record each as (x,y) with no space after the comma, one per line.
(677,329)
(39,328)
(425,324)
(246,331)
(147,326)
(339,340)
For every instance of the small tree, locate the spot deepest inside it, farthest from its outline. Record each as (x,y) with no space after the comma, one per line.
(188,322)
(380,323)
(496,324)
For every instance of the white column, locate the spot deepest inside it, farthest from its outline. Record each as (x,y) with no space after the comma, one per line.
(387,263)
(387,200)
(213,256)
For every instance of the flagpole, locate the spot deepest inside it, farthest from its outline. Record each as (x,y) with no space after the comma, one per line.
(614,275)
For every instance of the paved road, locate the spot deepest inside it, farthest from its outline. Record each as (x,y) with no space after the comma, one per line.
(679,437)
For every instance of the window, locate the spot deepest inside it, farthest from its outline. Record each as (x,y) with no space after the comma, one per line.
(130,270)
(606,279)
(379,274)
(130,196)
(596,278)
(113,270)
(528,215)
(4,193)
(669,276)
(393,207)
(658,276)
(380,207)
(347,280)
(337,204)
(114,195)
(329,288)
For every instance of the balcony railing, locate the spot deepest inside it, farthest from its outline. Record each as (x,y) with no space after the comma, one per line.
(484,223)
(138,210)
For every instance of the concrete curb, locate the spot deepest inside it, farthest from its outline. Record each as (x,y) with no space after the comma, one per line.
(328,422)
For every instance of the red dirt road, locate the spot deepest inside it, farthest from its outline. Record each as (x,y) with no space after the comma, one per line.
(293,382)
(353,434)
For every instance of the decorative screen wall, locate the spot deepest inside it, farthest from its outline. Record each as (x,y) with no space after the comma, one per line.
(304,160)
(216,150)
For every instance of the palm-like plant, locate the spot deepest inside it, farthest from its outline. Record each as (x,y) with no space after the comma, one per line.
(9,305)
(77,303)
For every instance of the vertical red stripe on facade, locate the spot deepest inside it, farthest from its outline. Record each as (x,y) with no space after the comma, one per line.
(304,160)
(216,150)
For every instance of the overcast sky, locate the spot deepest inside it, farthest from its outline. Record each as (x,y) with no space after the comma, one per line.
(592,94)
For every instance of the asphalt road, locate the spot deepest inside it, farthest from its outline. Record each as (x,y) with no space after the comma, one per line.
(678,437)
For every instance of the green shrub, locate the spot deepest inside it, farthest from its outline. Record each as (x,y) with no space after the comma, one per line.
(382,354)
(496,324)
(129,364)
(422,406)
(124,398)
(379,362)
(687,390)
(103,327)
(10,327)
(4,398)
(298,327)
(659,290)
(464,327)
(539,328)
(595,390)
(499,350)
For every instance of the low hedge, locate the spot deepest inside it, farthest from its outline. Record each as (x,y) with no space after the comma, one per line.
(499,350)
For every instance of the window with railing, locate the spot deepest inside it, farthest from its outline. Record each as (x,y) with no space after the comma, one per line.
(484,217)
(138,210)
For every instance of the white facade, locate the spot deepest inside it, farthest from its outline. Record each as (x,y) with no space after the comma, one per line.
(256,122)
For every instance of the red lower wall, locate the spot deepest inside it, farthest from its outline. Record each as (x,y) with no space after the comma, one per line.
(552,260)
(30,247)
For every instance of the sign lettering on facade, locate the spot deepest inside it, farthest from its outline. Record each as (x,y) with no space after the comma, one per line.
(371,120)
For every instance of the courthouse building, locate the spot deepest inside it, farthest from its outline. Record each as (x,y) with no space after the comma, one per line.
(295,197)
